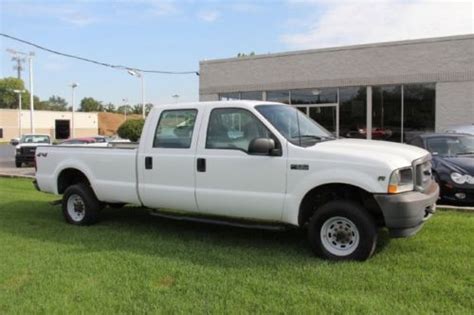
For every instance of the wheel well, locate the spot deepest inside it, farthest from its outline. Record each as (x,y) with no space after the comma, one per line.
(69,177)
(320,195)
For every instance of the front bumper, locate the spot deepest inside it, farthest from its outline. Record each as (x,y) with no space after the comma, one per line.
(455,194)
(25,158)
(405,213)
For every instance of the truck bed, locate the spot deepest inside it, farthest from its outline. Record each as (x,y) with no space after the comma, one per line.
(111,170)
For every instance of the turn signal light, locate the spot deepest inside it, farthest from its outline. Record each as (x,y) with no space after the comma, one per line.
(392,189)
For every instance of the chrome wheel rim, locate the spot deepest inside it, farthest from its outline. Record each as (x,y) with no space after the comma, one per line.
(339,236)
(76,208)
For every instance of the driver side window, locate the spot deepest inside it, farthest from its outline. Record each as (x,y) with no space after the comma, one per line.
(233,129)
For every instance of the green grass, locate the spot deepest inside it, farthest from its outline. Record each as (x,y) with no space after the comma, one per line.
(134,263)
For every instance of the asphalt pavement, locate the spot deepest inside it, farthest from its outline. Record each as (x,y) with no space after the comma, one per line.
(7,163)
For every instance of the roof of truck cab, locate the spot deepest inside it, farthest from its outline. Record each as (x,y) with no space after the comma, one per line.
(240,103)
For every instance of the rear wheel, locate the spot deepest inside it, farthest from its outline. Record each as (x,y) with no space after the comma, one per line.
(342,230)
(80,205)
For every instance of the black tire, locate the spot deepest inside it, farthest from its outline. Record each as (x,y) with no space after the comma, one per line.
(360,247)
(86,202)
(18,164)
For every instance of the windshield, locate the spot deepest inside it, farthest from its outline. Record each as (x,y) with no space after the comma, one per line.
(295,126)
(451,146)
(34,139)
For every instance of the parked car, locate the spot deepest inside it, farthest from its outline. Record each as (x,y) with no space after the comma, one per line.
(468,128)
(253,164)
(453,165)
(26,147)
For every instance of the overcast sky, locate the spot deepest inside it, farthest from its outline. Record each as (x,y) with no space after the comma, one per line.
(176,35)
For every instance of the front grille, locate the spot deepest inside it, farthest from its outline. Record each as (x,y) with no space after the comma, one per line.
(28,150)
(423,173)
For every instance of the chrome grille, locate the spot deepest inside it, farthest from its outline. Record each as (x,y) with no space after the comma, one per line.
(423,173)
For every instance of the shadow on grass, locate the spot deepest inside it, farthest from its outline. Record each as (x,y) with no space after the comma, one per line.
(133,229)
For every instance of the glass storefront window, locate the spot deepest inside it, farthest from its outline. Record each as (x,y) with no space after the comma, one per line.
(387,112)
(325,116)
(229,96)
(353,112)
(256,96)
(314,96)
(279,96)
(419,109)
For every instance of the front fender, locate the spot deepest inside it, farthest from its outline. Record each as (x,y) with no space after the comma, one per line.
(299,188)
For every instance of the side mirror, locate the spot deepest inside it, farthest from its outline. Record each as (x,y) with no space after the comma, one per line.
(14,142)
(263,146)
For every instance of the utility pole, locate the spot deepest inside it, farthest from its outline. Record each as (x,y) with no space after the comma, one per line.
(17,57)
(19,65)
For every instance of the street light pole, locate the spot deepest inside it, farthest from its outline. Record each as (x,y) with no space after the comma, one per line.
(32,99)
(19,110)
(139,75)
(73,86)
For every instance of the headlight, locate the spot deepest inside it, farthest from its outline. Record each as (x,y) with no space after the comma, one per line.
(462,179)
(401,180)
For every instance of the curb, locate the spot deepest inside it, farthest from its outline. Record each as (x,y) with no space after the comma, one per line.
(455,208)
(16,176)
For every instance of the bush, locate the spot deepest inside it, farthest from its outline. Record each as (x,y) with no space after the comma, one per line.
(131,129)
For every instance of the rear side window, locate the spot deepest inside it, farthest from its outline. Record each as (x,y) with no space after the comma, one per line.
(175,129)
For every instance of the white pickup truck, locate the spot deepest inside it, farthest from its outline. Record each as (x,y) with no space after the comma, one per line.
(253,164)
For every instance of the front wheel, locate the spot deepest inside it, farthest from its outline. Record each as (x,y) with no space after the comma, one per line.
(342,230)
(80,205)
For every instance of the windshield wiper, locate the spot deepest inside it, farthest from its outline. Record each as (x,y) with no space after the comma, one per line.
(308,136)
(465,153)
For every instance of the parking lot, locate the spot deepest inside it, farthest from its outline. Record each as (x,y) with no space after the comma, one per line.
(7,163)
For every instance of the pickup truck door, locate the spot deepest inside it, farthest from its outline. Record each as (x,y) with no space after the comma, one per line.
(230,181)
(166,161)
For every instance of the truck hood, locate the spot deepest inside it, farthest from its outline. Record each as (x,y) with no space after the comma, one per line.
(395,155)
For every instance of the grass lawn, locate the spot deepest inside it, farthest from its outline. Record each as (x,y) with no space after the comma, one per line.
(134,263)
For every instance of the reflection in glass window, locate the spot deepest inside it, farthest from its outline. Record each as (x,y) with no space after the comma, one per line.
(229,96)
(279,96)
(233,128)
(419,109)
(353,112)
(387,112)
(175,129)
(256,96)
(314,96)
(325,116)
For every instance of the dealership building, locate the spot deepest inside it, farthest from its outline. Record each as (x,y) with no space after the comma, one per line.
(56,124)
(388,91)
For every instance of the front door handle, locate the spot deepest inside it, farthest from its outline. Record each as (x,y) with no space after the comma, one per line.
(148,162)
(201,165)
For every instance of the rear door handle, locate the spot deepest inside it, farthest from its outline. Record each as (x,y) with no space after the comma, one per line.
(148,162)
(201,165)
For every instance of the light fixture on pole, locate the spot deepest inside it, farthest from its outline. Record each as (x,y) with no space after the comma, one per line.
(139,75)
(73,87)
(30,56)
(176,98)
(19,92)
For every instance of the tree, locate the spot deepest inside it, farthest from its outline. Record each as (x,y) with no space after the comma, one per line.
(137,109)
(53,103)
(89,104)
(123,108)
(8,98)
(131,129)
(110,108)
